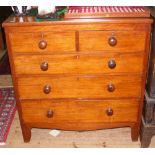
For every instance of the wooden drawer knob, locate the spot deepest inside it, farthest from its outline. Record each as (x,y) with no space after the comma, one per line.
(110,87)
(44,66)
(111,64)
(47,89)
(42,44)
(49,113)
(109,111)
(112,41)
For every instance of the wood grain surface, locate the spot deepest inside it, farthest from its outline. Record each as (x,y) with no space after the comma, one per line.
(79,87)
(68,60)
(80,111)
(29,42)
(98,41)
(79,63)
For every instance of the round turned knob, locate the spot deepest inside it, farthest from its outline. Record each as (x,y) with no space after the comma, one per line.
(109,112)
(49,113)
(112,41)
(111,64)
(110,87)
(47,89)
(44,66)
(42,44)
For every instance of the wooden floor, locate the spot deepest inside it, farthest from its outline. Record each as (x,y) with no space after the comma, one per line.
(5,81)
(118,138)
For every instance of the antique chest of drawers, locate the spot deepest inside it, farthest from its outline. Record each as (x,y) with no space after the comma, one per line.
(79,74)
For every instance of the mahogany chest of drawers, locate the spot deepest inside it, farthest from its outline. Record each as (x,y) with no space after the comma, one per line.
(79,74)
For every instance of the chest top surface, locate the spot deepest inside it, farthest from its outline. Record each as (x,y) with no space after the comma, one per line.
(31,20)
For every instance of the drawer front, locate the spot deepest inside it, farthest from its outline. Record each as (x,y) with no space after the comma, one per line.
(79,64)
(80,111)
(79,87)
(119,41)
(42,42)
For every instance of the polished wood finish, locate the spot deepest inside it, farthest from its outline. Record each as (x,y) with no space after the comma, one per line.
(80,111)
(68,74)
(49,113)
(110,87)
(118,41)
(44,66)
(79,63)
(47,89)
(79,87)
(109,111)
(42,42)
(112,41)
(111,64)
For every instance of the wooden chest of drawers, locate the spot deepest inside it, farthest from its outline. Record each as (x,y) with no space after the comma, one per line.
(79,74)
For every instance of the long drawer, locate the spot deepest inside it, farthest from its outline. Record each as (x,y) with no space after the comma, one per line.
(79,64)
(42,42)
(119,41)
(79,87)
(46,111)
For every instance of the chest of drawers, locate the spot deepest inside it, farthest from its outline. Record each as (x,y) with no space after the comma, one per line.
(80,74)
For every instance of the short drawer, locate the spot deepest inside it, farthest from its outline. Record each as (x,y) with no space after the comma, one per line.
(79,64)
(118,41)
(79,87)
(42,42)
(80,111)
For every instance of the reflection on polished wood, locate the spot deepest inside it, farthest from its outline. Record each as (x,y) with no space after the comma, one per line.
(76,79)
